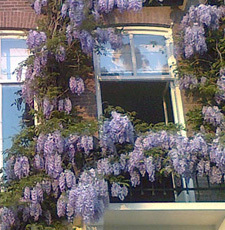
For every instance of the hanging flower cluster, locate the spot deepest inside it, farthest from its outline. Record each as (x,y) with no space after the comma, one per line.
(117,130)
(194,23)
(212,115)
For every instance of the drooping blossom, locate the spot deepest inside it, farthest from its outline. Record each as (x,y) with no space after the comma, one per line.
(9,169)
(53,165)
(76,85)
(104,167)
(135,5)
(60,54)
(105,6)
(114,39)
(37,6)
(35,39)
(61,206)
(119,191)
(35,211)
(86,41)
(40,142)
(205,15)
(212,115)
(21,167)
(48,107)
(67,105)
(188,82)
(150,168)
(118,130)
(215,176)
(38,162)
(86,143)
(8,218)
(194,40)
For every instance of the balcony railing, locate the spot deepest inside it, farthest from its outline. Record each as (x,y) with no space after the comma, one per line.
(164,189)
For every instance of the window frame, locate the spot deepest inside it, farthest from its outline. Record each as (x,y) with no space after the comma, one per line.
(13,35)
(176,100)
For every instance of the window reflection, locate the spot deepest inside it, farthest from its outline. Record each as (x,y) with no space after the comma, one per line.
(149,57)
(13,51)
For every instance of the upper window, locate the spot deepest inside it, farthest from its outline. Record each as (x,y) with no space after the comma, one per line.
(13,51)
(140,55)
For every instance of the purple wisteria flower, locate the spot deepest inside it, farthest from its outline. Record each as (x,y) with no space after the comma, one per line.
(115,39)
(40,142)
(220,95)
(60,54)
(70,178)
(118,130)
(122,5)
(102,35)
(61,105)
(105,6)
(27,193)
(86,41)
(47,107)
(215,176)
(135,178)
(28,93)
(67,105)
(86,143)
(35,211)
(119,191)
(104,167)
(188,82)
(38,162)
(135,5)
(9,169)
(21,167)
(37,6)
(212,115)
(53,165)
(194,40)
(76,85)
(61,206)
(150,168)
(7,218)
(35,39)
(64,9)
(206,15)
(46,186)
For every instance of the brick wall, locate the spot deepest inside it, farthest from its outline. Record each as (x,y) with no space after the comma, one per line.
(153,15)
(16,14)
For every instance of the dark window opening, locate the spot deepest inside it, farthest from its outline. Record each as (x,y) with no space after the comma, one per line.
(150,100)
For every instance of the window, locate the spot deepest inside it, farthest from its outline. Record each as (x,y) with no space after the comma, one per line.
(140,76)
(12,51)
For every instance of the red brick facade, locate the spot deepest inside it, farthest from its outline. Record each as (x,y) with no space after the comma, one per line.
(16,14)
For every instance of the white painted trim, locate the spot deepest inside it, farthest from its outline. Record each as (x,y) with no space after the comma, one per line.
(192,206)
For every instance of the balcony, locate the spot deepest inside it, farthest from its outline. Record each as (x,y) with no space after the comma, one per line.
(167,205)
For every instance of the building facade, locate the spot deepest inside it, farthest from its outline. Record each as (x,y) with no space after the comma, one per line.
(140,77)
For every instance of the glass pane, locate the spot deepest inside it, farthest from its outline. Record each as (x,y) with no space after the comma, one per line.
(151,55)
(13,51)
(11,116)
(117,62)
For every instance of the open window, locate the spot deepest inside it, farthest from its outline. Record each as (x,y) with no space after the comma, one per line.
(140,77)
(13,50)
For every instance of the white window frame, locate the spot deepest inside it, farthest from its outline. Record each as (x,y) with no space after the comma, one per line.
(14,35)
(175,92)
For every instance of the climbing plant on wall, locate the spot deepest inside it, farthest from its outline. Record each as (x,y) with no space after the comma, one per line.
(60,170)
